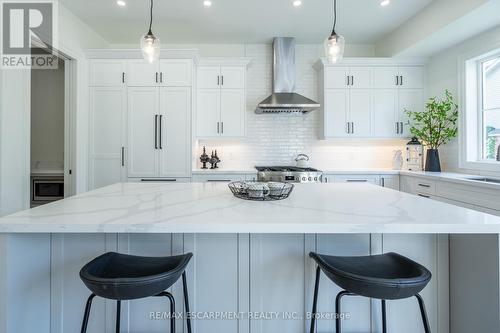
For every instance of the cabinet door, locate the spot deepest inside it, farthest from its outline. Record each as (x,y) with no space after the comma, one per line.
(107,73)
(208,77)
(360,112)
(391,182)
(143,109)
(360,77)
(336,77)
(176,72)
(141,73)
(409,99)
(208,112)
(232,112)
(335,112)
(412,77)
(384,112)
(175,143)
(107,123)
(384,77)
(232,77)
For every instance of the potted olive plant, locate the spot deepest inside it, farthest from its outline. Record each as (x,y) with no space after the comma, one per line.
(435,126)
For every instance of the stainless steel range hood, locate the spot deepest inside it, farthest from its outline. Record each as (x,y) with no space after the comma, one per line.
(284,99)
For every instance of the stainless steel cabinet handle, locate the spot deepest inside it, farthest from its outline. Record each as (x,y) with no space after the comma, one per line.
(222,127)
(347,128)
(123,156)
(218,80)
(161,77)
(423,196)
(352,127)
(383,182)
(357,180)
(397,127)
(156,131)
(156,77)
(218,128)
(161,144)
(401,80)
(123,77)
(402,128)
(222,79)
(397,80)
(424,185)
(218,180)
(352,80)
(158,180)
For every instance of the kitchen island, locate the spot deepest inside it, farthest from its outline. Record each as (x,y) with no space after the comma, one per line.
(250,257)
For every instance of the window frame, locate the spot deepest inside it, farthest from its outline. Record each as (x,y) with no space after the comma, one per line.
(480,106)
(471,132)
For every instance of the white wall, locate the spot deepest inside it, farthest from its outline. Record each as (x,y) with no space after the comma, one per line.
(443,73)
(47,115)
(278,138)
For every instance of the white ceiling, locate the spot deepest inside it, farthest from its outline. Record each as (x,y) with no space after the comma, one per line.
(243,21)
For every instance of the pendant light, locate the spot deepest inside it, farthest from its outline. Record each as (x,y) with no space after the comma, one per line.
(335,44)
(150,45)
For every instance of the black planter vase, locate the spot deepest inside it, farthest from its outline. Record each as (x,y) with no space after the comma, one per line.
(432,161)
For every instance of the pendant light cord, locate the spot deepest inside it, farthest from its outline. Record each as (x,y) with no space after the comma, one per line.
(334,16)
(151,17)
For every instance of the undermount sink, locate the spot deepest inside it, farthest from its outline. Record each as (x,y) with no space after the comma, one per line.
(485,180)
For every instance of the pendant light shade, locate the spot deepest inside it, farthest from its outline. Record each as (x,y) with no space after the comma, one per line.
(334,48)
(150,45)
(334,44)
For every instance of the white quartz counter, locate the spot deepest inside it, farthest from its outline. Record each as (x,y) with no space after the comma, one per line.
(211,208)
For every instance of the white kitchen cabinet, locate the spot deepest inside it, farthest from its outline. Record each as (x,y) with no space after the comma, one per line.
(175,125)
(220,100)
(375,98)
(107,72)
(167,72)
(390,181)
(143,110)
(336,123)
(159,132)
(108,107)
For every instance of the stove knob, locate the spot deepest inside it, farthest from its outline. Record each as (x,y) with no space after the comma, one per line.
(303,179)
(310,178)
(315,179)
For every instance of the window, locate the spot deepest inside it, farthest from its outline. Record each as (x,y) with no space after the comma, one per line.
(489,107)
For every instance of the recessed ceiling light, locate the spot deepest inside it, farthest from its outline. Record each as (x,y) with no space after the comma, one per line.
(297,3)
(384,3)
(207,3)
(121,3)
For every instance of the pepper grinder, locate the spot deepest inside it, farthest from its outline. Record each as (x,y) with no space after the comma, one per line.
(217,160)
(204,159)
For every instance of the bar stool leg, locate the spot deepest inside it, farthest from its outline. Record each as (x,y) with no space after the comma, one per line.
(186,302)
(172,309)
(315,300)
(384,317)
(338,324)
(425,320)
(118,313)
(87,313)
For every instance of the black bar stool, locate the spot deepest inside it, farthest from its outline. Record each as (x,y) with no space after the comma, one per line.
(387,276)
(123,277)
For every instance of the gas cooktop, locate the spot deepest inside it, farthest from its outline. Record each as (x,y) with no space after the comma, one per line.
(288,174)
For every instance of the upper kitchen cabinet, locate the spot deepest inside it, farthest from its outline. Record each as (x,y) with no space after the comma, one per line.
(368,98)
(166,72)
(107,72)
(220,98)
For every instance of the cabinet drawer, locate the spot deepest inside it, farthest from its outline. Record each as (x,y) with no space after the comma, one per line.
(475,195)
(424,186)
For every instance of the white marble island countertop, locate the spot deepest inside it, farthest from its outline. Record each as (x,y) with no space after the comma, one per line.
(211,208)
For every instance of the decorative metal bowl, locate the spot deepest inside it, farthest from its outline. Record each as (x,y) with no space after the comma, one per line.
(258,191)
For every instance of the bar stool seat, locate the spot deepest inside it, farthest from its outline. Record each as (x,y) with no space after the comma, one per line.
(387,276)
(124,277)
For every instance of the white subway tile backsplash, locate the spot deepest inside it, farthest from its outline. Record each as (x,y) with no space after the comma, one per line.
(278,138)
